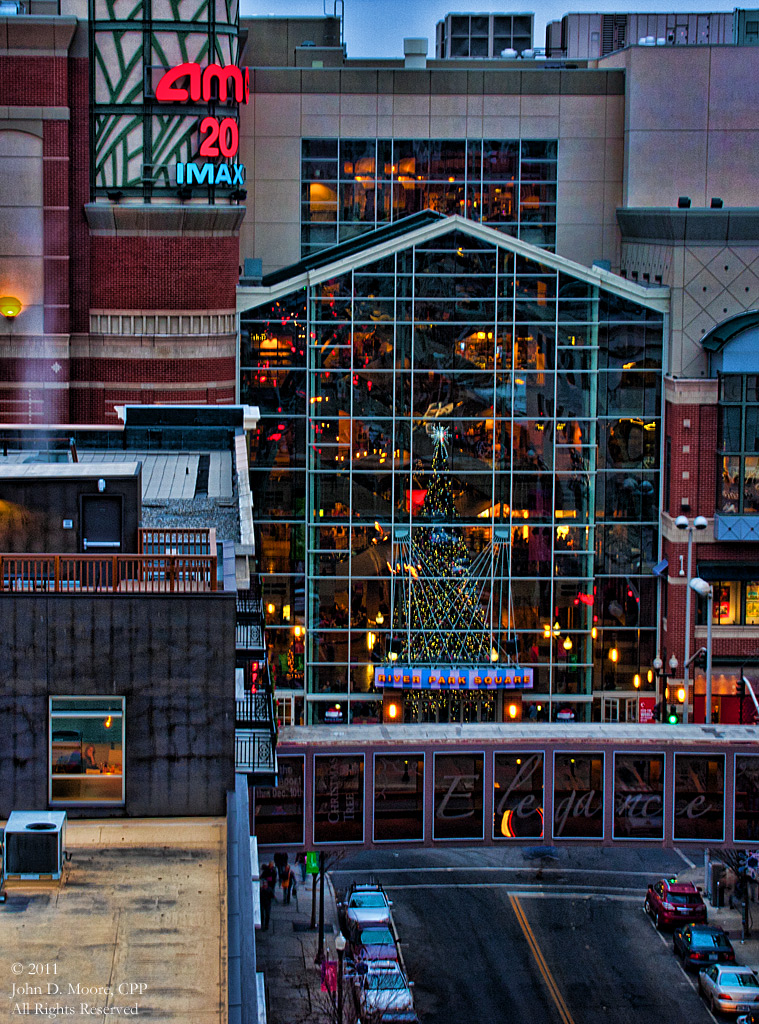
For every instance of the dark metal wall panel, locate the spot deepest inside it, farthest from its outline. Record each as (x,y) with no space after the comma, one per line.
(172,658)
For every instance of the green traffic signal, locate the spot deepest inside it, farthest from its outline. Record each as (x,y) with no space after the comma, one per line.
(672,718)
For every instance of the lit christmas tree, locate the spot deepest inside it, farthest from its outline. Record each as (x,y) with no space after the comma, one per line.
(438,616)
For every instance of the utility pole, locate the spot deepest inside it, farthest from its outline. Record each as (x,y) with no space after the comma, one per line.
(320,952)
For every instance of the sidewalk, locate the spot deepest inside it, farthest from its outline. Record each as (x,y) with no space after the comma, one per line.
(285,953)
(747,951)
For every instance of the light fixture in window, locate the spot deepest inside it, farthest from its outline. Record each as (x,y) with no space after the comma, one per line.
(108,722)
(101,484)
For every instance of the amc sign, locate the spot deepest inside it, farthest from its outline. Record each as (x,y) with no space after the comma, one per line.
(220,136)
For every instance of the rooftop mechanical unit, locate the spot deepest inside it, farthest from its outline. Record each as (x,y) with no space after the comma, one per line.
(34,845)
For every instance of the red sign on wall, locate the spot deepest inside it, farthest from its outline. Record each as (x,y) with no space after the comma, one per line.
(646,707)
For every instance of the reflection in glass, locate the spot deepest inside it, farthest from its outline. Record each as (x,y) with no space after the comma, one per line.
(578,796)
(398,797)
(338,798)
(279,809)
(699,796)
(638,796)
(518,796)
(746,827)
(458,796)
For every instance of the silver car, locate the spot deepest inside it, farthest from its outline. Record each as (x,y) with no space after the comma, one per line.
(729,989)
(382,990)
(367,908)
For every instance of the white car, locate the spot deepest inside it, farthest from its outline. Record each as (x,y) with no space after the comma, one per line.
(729,988)
(367,907)
(382,991)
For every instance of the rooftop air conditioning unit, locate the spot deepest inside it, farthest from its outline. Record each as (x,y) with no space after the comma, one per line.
(34,844)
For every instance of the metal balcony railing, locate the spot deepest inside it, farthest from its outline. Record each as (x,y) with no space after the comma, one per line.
(176,542)
(108,574)
(255,710)
(254,752)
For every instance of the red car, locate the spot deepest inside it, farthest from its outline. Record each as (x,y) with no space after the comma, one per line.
(670,902)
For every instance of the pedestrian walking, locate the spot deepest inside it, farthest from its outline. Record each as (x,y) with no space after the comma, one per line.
(280,859)
(267,895)
(287,881)
(269,873)
(300,860)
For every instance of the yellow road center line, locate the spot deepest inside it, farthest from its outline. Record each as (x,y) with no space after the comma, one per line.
(548,978)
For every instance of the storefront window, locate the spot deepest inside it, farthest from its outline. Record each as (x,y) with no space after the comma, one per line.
(638,796)
(86,750)
(746,798)
(338,798)
(518,796)
(458,796)
(699,797)
(578,796)
(398,797)
(279,809)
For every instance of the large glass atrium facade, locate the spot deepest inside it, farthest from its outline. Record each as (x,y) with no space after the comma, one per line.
(534,386)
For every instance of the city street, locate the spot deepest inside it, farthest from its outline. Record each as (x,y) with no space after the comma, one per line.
(489,936)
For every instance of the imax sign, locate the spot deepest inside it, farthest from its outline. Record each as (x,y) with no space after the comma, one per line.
(210,174)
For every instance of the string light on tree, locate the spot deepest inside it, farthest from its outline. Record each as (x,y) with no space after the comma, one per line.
(439,616)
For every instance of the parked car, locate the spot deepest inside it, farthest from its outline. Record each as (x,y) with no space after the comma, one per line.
(365,906)
(700,945)
(373,944)
(670,902)
(382,991)
(729,989)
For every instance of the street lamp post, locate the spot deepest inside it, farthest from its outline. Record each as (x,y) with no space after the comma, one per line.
(683,523)
(661,672)
(704,589)
(340,947)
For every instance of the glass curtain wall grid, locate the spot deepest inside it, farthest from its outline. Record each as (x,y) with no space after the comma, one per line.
(738,452)
(134,141)
(548,389)
(351,186)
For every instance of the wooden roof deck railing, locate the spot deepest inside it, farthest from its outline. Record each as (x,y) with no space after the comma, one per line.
(107,574)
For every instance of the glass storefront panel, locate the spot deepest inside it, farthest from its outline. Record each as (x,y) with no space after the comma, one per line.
(699,797)
(518,796)
(338,798)
(86,750)
(578,796)
(398,797)
(280,809)
(746,808)
(638,796)
(459,782)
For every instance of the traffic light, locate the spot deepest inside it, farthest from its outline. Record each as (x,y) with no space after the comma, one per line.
(741,688)
(673,717)
(700,659)
(659,710)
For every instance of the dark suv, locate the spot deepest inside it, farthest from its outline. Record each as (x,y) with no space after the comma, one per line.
(670,902)
(700,945)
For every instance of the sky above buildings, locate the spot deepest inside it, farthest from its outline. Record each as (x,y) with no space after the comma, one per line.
(377,28)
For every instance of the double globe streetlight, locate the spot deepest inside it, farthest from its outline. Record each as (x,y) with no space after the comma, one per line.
(683,523)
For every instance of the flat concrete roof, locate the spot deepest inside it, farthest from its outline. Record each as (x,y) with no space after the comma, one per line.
(138,919)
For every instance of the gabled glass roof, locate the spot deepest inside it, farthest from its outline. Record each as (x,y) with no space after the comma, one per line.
(366,240)
(425,227)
